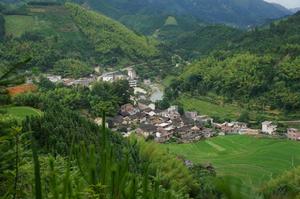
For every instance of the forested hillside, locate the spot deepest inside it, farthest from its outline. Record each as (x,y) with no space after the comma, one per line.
(110,38)
(50,33)
(197,41)
(237,13)
(259,68)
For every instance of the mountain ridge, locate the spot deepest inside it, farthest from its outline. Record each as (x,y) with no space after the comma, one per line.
(229,12)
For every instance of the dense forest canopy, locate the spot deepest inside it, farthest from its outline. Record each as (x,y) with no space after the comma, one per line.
(49,33)
(259,68)
(240,13)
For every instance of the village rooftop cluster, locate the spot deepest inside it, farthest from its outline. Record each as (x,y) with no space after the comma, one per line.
(131,76)
(169,125)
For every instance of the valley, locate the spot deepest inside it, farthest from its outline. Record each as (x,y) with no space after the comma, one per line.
(152,99)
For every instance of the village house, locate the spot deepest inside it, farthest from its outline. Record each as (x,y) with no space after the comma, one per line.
(208,133)
(133,83)
(268,128)
(147,81)
(293,134)
(111,77)
(83,81)
(128,109)
(171,113)
(200,118)
(231,127)
(99,121)
(191,115)
(97,69)
(131,74)
(189,133)
(68,81)
(204,119)
(114,122)
(163,135)
(178,122)
(146,130)
(248,131)
(54,78)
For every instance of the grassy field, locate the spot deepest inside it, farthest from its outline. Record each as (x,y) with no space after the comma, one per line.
(17,25)
(20,112)
(46,20)
(208,108)
(251,161)
(232,111)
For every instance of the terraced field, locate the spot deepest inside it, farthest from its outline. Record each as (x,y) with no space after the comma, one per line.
(45,20)
(251,161)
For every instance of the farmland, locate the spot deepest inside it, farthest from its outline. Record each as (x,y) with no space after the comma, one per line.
(21,112)
(208,108)
(249,160)
(46,20)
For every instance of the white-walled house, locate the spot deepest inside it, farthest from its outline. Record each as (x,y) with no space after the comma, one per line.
(268,127)
(131,73)
(293,134)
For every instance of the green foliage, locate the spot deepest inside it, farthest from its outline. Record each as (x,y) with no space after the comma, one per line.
(71,68)
(173,173)
(2,27)
(171,21)
(246,78)
(108,167)
(50,33)
(231,12)
(284,186)
(244,117)
(162,104)
(203,40)
(111,38)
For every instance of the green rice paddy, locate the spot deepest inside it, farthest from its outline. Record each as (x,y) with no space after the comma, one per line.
(252,161)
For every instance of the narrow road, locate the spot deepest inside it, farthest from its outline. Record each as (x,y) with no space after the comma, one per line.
(294,121)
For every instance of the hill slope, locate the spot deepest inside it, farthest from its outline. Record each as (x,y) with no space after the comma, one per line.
(240,13)
(259,68)
(110,37)
(49,33)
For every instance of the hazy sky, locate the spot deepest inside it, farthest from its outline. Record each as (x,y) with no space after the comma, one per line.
(287,3)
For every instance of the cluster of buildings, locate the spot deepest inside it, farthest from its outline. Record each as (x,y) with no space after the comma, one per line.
(165,125)
(131,76)
(230,128)
(158,125)
(168,124)
(84,81)
(270,128)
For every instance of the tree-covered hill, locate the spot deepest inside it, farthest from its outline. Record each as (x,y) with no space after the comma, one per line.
(259,68)
(52,32)
(275,38)
(197,41)
(110,37)
(238,13)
